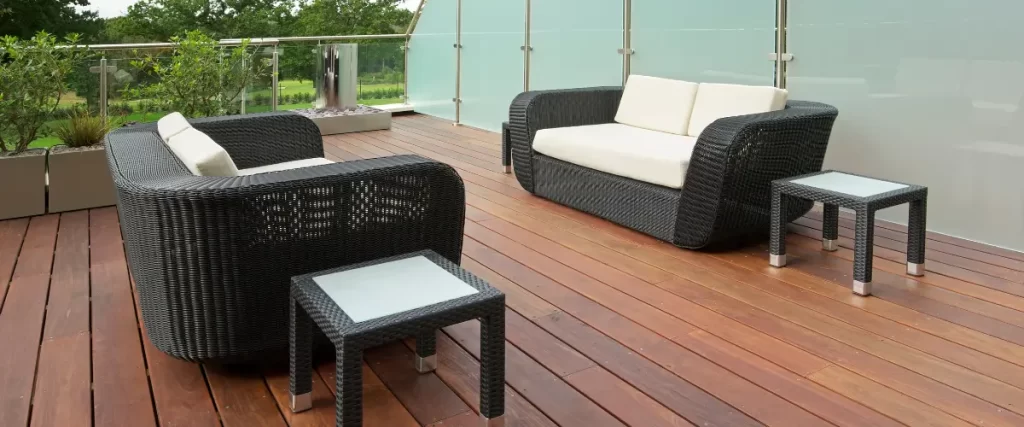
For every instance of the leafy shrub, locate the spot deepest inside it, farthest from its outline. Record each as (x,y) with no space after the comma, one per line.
(33,76)
(382,93)
(260,99)
(201,79)
(82,130)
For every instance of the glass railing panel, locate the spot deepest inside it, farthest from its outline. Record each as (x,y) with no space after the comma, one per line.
(296,76)
(720,41)
(928,93)
(575,43)
(492,61)
(81,96)
(381,72)
(432,60)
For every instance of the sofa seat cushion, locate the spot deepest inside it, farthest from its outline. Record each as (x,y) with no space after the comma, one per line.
(657,104)
(276,167)
(171,125)
(716,101)
(644,155)
(201,154)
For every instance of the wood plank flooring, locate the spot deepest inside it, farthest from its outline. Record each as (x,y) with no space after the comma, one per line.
(605,326)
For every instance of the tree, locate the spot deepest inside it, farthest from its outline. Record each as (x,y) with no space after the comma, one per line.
(32,80)
(24,18)
(159,20)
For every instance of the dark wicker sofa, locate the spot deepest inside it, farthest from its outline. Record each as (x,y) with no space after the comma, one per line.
(212,256)
(726,192)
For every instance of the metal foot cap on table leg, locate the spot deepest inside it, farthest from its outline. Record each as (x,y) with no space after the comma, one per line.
(830,245)
(426,364)
(777,261)
(915,269)
(498,421)
(302,402)
(507,169)
(861,288)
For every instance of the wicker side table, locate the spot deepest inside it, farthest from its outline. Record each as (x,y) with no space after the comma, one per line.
(865,196)
(369,304)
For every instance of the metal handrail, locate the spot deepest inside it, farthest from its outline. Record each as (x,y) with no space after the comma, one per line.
(264,41)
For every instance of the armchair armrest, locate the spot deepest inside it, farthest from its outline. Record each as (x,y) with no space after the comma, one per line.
(533,111)
(265,138)
(728,183)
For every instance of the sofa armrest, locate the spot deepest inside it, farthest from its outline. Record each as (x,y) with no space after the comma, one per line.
(533,111)
(264,138)
(728,183)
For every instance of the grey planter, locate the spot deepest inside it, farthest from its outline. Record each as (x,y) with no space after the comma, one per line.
(23,179)
(79,179)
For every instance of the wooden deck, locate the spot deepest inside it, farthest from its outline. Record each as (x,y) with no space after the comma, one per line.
(605,327)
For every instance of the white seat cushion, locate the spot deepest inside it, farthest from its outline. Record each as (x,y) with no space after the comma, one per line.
(644,155)
(171,125)
(657,104)
(294,164)
(201,154)
(715,101)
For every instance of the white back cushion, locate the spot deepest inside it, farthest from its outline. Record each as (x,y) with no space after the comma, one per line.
(716,100)
(201,155)
(657,104)
(171,124)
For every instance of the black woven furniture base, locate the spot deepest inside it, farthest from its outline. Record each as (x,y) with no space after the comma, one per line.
(786,191)
(312,305)
(726,191)
(212,257)
(506,149)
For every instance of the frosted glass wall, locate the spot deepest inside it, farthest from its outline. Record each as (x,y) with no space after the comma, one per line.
(930,92)
(492,62)
(575,43)
(722,41)
(432,60)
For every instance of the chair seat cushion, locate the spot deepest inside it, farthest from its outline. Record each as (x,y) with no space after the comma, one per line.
(716,101)
(294,164)
(657,104)
(201,154)
(644,155)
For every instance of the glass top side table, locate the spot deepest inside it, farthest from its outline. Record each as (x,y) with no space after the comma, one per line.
(865,196)
(369,304)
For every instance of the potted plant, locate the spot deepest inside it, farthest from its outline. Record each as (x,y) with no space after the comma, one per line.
(78,172)
(32,81)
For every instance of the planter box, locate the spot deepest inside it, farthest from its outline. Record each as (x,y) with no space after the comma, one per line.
(23,184)
(79,179)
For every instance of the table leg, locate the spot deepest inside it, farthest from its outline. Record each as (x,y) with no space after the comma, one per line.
(830,228)
(863,252)
(916,237)
(777,246)
(348,386)
(492,368)
(300,378)
(506,149)
(426,352)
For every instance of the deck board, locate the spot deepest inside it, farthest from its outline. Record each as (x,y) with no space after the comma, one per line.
(605,326)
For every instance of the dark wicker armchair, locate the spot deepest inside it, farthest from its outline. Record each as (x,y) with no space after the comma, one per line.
(726,193)
(212,256)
